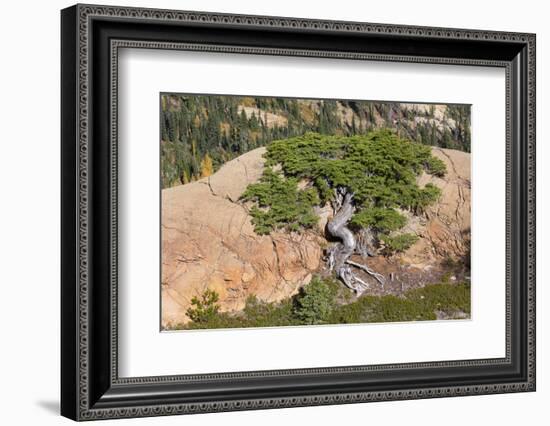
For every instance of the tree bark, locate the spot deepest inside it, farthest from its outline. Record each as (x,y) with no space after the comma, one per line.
(339,254)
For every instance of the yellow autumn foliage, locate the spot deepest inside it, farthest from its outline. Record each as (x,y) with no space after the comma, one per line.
(207,168)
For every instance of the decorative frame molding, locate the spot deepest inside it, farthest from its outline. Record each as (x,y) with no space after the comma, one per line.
(91,37)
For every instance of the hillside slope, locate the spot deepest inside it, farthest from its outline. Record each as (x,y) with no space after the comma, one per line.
(208,241)
(195,128)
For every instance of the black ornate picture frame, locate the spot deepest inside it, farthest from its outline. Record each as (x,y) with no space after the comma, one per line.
(91,387)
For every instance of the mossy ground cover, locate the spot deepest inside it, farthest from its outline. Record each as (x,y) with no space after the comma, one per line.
(324,301)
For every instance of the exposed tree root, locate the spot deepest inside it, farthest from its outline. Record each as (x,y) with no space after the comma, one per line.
(379,277)
(339,254)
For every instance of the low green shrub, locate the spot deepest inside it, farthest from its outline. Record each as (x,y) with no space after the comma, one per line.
(316,301)
(398,243)
(321,302)
(205,308)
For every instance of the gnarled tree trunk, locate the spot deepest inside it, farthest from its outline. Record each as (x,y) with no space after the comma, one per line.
(339,254)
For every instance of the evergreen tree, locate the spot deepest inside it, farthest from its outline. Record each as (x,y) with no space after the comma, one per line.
(316,302)
(367,179)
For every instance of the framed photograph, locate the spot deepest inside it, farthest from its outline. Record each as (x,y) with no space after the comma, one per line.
(263,212)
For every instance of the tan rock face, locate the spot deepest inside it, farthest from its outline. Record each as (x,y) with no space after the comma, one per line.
(208,242)
(444,230)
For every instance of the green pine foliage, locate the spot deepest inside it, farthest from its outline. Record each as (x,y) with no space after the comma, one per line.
(426,196)
(379,218)
(280,204)
(205,308)
(379,168)
(435,166)
(316,301)
(322,301)
(398,243)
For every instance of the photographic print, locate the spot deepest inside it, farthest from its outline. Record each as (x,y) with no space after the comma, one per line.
(297,212)
(299,194)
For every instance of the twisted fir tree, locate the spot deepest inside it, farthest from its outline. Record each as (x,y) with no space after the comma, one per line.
(367,179)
